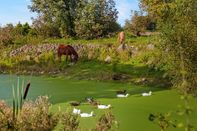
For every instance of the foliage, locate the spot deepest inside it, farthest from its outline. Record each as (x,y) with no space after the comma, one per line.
(177,20)
(70,122)
(86,19)
(155,8)
(21,29)
(139,22)
(6,37)
(17,99)
(33,116)
(106,122)
(20,34)
(45,29)
(60,13)
(162,120)
(179,43)
(96,18)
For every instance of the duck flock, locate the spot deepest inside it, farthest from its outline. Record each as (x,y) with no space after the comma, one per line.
(119,94)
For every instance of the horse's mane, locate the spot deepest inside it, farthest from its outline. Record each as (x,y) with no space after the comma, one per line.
(73,51)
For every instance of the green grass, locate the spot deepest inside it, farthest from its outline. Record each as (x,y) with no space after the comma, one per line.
(112,40)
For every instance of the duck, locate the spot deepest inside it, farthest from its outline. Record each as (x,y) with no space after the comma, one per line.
(92,101)
(103,106)
(86,114)
(147,94)
(122,95)
(75,103)
(121,91)
(76,111)
(89,99)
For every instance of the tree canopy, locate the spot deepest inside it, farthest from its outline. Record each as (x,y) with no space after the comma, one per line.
(177,20)
(84,18)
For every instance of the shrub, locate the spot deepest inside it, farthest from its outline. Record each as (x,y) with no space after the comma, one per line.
(178,42)
(36,115)
(106,122)
(6,38)
(33,116)
(69,121)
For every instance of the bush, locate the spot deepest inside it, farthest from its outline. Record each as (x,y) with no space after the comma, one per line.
(36,115)
(70,122)
(6,38)
(106,122)
(178,43)
(33,116)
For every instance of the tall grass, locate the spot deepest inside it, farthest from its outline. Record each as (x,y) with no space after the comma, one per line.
(18,97)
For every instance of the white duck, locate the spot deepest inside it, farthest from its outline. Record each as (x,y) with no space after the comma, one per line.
(147,94)
(103,106)
(86,114)
(76,111)
(122,95)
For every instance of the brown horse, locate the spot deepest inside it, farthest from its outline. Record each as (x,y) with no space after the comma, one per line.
(67,50)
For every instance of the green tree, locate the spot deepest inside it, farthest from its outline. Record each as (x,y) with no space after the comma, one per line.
(60,13)
(96,18)
(155,8)
(25,29)
(140,22)
(6,37)
(21,29)
(178,41)
(18,29)
(45,29)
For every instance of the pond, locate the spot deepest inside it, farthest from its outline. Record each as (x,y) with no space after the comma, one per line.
(59,89)
(131,112)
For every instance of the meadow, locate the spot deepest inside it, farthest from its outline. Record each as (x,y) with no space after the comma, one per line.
(94,78)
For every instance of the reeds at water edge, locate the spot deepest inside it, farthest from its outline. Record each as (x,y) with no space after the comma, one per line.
(19,96)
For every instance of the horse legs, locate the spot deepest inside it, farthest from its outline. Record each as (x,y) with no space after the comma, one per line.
(59,57)
(71,58)
(66,57)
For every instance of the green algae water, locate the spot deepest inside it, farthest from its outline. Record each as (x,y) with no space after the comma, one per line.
(59,89)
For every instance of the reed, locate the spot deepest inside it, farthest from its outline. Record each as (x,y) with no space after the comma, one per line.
(26,91)
(19,97)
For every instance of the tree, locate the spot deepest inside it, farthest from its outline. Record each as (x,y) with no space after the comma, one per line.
(178,42)
(96,18)
(25,28)
(60,13)
(155,8)
(18,29)
(45,29)
(139,22)
(6,37)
